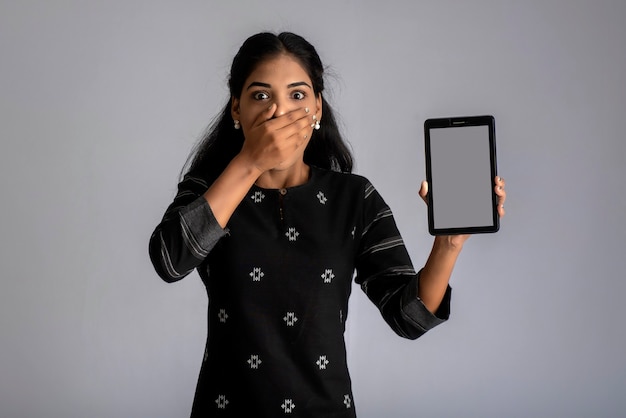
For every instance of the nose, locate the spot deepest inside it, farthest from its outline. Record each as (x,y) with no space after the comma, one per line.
(281,107)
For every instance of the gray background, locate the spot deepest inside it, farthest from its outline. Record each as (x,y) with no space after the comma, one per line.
(101,101)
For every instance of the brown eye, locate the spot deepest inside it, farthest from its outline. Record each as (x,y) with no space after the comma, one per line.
(298,95)
(260,95)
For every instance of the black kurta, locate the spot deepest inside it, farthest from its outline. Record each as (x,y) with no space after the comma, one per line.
(278,280)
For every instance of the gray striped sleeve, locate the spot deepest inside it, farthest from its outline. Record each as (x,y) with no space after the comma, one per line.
(385,213)
(385,244)
(167,261)
(201,231)
(386,274)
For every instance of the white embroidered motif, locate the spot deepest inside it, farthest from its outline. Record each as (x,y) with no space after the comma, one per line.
(290,319)
(221,402)
(256,274)
(322,198)
(254,361)
(292,234)
(258,197)
(328,276)
(288,406)
(222,315)
(322,362)
(347,401)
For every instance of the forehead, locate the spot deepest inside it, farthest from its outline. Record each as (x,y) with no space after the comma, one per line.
(280,69)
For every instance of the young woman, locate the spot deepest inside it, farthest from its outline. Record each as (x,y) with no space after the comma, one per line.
(275,224)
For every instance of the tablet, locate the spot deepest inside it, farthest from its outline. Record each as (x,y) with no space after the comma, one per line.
(460,170)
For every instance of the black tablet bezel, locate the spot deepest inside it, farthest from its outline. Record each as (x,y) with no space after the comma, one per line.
(460,122)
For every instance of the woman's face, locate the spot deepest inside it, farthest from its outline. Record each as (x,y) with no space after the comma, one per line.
(280,80)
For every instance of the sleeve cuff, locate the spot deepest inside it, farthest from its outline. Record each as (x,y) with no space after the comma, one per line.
(414,310)
(201,230)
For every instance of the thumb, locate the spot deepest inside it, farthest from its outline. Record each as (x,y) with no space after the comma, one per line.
(424,191)
(270,111)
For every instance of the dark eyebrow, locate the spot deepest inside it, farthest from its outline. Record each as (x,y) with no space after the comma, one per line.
(299,83)
(267,86)
(258,84)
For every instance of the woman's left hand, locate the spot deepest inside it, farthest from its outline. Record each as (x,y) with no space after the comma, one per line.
(458,240)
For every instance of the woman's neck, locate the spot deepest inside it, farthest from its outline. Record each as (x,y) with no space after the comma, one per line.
(277,178)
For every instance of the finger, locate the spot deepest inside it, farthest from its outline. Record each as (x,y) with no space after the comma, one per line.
(501,200)
(501,193)
(286,119)
(302,136)
(295,121)
(299,131)
(499,184)
(265,115)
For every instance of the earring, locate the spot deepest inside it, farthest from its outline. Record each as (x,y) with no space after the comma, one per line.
(317,125)
(237,124)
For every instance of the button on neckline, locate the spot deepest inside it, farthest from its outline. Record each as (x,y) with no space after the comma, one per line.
(282,191)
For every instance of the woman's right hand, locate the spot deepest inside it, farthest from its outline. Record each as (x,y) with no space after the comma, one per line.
(273,140)
(269,142)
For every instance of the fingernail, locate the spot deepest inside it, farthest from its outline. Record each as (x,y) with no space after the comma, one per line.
(314,117)
(306,109)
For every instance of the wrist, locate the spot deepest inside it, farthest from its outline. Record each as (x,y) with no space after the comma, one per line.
(448,243)
(246,168)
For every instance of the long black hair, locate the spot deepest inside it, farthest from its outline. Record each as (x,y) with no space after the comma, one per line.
(222,141)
